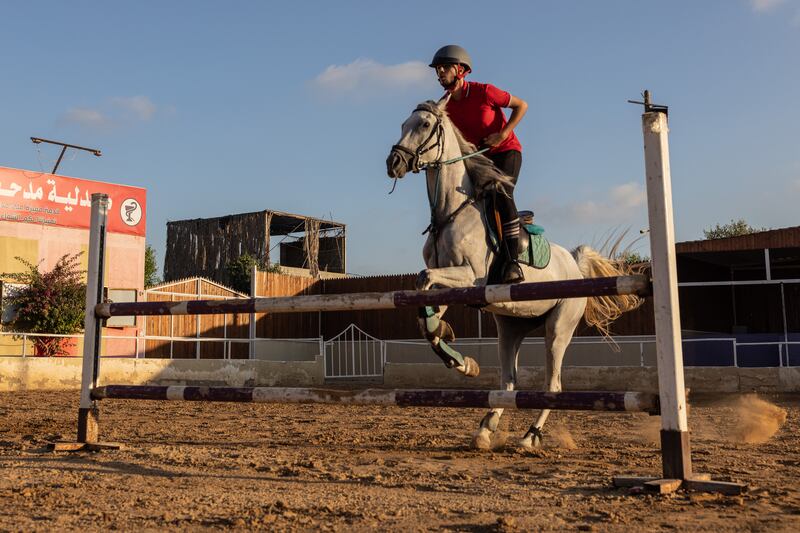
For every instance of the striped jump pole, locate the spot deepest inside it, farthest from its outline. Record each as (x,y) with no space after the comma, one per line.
(576,401)
(550,290)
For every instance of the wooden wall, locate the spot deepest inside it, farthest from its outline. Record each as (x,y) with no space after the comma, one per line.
(231,326)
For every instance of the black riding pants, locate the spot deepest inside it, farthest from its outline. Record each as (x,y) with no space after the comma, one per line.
(510,163)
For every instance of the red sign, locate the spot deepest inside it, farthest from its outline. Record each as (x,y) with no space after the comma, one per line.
(50,199)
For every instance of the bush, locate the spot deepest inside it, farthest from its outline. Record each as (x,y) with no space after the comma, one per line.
(50,302)
(239,271)
(150,268)
(734,228)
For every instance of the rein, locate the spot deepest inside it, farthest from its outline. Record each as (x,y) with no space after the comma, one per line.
(432,202)
(434,228)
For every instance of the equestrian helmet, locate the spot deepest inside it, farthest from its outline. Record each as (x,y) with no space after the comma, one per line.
(450,55)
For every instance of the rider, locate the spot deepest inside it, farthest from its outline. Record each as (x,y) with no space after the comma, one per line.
(476,110)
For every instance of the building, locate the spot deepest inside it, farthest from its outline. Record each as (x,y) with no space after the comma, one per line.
(45,216)
(205,246)
(745,288)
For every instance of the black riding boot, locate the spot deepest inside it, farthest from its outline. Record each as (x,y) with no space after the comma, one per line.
(512,271)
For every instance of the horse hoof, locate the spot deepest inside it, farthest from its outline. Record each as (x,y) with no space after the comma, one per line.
(446,332)
(470,368)
(481,440)
(529,442)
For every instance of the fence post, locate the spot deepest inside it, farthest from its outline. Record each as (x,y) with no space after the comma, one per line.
(785,327)
(251,330)
(88,413)
(198,290)
(675,448)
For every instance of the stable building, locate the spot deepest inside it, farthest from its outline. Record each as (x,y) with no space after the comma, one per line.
(744,290)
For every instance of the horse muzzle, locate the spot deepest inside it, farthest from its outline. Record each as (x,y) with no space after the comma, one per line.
(396,164)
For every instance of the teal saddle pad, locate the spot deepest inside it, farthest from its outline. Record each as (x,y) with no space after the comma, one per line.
(538,253)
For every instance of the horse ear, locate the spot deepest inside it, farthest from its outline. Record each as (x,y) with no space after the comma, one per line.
(442,103)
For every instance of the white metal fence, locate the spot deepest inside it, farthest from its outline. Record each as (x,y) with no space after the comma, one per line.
(21,344)
(354,353)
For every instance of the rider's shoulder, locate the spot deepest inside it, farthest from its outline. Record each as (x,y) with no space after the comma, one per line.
(479,88)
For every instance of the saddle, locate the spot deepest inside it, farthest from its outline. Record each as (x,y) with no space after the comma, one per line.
(533,251)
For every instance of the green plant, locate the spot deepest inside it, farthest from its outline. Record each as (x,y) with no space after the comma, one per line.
(734,228)
(634,258)
(274,268)
(49,302)
(150,268)
(239,271)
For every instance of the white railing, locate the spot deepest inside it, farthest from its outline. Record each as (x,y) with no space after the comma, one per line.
(140,346)
(354,353)
(641,341)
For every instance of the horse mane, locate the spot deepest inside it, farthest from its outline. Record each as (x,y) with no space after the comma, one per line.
(481,170)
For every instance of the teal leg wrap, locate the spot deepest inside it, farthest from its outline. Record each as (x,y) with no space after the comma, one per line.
(433,331)
(450,357)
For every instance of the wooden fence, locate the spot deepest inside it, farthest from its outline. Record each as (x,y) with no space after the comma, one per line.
(231,326)
(702,309)
(467,322)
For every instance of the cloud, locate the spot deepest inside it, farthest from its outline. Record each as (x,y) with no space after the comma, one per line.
(85,117)
(794,185)
(115,112)
(138,107)
(763,6)
(365,76)
(623,204)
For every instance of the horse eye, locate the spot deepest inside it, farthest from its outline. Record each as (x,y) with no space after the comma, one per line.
(426,124)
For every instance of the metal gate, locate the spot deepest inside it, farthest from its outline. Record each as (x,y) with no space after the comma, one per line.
(354,353)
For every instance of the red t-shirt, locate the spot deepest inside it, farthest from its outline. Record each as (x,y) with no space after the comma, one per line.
(479,113)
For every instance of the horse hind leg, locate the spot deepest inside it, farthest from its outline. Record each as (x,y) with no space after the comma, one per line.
(511,332)
(560,327)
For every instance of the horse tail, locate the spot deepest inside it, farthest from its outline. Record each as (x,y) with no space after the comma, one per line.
(601,311)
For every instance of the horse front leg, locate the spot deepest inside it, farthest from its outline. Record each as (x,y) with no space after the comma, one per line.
(437,331)
(511,332)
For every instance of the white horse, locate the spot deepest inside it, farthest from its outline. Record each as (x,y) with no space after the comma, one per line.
(458,253)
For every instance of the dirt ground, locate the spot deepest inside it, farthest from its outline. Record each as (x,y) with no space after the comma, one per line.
(193,466)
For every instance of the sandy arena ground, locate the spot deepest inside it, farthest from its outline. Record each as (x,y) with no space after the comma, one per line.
(192,466)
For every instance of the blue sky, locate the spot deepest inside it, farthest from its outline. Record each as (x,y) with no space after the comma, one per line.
(228,107)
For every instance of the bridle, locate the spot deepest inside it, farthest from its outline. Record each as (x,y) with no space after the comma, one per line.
(437,136)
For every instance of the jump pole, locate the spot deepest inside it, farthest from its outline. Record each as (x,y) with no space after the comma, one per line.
(487,399)
(574,288)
